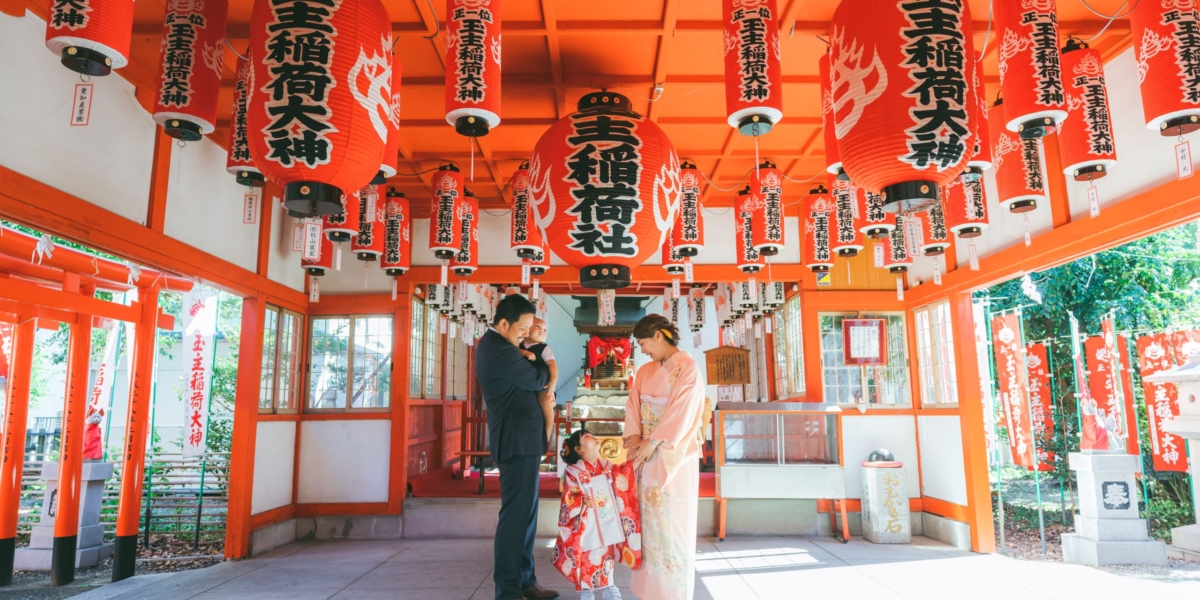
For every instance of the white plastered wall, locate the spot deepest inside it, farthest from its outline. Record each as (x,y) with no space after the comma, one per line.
(344,461)
(861,434)
(943,473)
(283,264)
(274,462)
(205,204)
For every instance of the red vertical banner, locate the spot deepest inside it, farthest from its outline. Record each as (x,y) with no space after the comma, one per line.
(1010,371)
(1133,441)
(1162,403)
(1037,361)
(1102,392)
(6,330)
(1185,344)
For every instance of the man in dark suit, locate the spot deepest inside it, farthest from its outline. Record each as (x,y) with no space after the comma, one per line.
(517,440)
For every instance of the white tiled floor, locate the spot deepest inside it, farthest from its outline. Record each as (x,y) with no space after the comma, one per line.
(736,569)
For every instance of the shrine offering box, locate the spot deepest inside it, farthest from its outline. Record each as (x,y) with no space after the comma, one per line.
(788,450)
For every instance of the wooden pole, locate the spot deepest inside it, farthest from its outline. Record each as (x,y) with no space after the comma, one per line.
(971,409)
(12,462)
(70,461)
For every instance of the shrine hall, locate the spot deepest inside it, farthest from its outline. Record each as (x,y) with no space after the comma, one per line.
(653,299)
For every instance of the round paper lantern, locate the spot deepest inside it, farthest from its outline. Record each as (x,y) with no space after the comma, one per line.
(191,60)
(935,236)
(467,259)
(445,231)
(1031,75)
(766,187)
(238,162)
(688,231)
(473,65)
(672,260)
(749,260)
(833,158)
(368,245)
(753,80)
(846,239)
(1167,49)
(324,261)
(317,108)
(981,143)
(391,120)
(605,188)
(1018,165)
(343,225)
(966,210)
(1086,138)
(397,235)
(539,263)
(818,214)
(91,36)
(896,258)
(524,236)
(874,221)
(900,96)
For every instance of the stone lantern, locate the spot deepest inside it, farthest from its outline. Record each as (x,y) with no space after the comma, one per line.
(1186,378)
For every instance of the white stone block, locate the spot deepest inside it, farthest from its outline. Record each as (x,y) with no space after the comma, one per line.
(1186,537)
(885,513)
(271,537)
(1111,530)
(1108,495)
(955,533)
(1080,550)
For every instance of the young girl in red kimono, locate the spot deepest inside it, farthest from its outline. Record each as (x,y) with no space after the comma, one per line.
(598,522)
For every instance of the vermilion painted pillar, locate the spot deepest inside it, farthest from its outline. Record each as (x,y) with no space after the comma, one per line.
(12,456)
(245,430)
(70,462)
(970,417)
(133,461)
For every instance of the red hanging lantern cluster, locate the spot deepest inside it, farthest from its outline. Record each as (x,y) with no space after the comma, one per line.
(896,258)
(397,235)
(687,234)
(1167,49)
(238,162)
(966,208)
(605,187)
(833,158)
(846,239)
(466,260)
(766,187)
(1031,74)
(753,76)
(1018,163)
(91,37)
(672,260)
(343,225)
(369,244)
(1086,138)
(445,231)
(818,216)
(749,260)
(473,66)
(324,137)
(391,120)
(524,235)
(191,60)
(935,235)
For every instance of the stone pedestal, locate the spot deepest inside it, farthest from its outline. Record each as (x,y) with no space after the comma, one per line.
(90,548)
(1108,528)
(885,516)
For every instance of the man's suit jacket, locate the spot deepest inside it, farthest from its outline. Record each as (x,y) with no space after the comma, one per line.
(510,384)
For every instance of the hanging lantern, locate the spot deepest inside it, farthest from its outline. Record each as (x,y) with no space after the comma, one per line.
(467,259)
(524,237)
(237,161)
(696,307)
(818,212)
(343,225)
(935,237)
(1018,165)
(91,36)
(688,231)
(981,143)
(672,260)
(874,221)
(745,297)
(1086,140)
(368,245)
(540,262)
(749,260)
(397,235)
(773,295)
(766,187)
(833,158)
(473,66)
(391,120)
(721,302)
(445,232)
(445,295)
(753,80)
(1031,77)
(846,240)
(966,210)
(896,258)
(191,59)
(324,261)
(901,133)
(324,135)
(604,183)
(1168,62)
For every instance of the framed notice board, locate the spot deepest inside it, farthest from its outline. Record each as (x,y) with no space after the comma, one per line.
(864,341)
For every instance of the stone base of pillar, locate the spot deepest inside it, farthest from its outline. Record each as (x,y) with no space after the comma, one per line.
(90,547)
(1109,530)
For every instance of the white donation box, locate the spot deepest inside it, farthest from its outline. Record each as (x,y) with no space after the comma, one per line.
(885,518)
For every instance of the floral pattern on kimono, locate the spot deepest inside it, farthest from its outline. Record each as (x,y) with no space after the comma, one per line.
(598,523)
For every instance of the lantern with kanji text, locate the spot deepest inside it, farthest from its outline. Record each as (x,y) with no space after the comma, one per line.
(966,209)
(540,262)
(391,120)
(817,214)
(845,237)
(322,263)
(1086,138)
(833,158)
(467,259)
(369,244)
(753,77)
(191,59)
(749,260)
(935,236)
(397,235)
(445,231)
(1018,163)
(473,66)
(524,236)
(91,37)
(688,232)
(896,258)
(981,144)
(1166,45)
(1031,75)
(874,222)
(344,224)
(238,162)
(672,260)
(766,187)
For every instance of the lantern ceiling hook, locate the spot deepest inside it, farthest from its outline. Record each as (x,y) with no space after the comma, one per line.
(84,77)
(234,50)
(437,25)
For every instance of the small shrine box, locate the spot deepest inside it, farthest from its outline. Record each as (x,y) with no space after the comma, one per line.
(727,365)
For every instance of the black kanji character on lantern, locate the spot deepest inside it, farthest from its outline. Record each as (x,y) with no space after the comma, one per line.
(72,14)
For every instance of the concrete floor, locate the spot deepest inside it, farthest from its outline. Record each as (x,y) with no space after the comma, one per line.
(736,569)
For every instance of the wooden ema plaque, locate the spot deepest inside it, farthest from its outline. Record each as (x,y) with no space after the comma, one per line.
(727,365)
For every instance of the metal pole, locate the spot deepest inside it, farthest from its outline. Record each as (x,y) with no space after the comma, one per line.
(1037,461)
(1059,417)
(112,390)
(996,446)
(1132,422)
(207,420)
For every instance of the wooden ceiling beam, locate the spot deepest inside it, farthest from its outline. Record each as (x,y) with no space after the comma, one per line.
(550,25)
(670,12)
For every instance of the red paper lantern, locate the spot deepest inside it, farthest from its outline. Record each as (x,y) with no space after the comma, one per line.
(845,237)
(191,60)
(749,260)
(688,231)
(91,36)
(818,216)
(833,158)
(1086,139)
(935,236)
(1018,162)
(238,162)
(966,209)
(672,260)
(397,235)
(981,143)
(1165,44)
(473,65)
(902,133)
(324,262)
(874,221)
(445,231)
(766,187)
(1031,76)
(343,225)
(391,146)
(753,80)
(467,259)
(539,263)
(324,135)
(524,236)
(896,258)
(605,187)
(368,245)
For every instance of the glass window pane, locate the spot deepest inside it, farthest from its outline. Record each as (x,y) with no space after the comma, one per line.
(372,362)
(810,439)
(416,346)
(289,351)
(266,394)
(330,358)
(751,439)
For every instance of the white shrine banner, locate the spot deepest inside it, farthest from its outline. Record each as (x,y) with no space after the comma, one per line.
(199,327)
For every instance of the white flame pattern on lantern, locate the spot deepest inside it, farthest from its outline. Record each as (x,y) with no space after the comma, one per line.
(1010,45)
(1152,44)
(850,73)
(214,56)
(377,99)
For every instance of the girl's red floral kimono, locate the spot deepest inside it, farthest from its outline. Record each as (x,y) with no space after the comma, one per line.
(598,523)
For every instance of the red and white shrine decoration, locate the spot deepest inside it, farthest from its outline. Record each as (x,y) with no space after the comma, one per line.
(1041,403)
(674,262)
(818,216)
(90,36)
(1009,349)
(874,221)
(688,232)
(1018,162)
(833,158)
(1166,43)
(199,331)
(344,224)
(749,260)
(238,162)
(896,257)
(524,235)
(397,235)
(539,263)
(935,236)
(1086,138)
(324,136)
(846,239)
(191,59)
(604,183)
(317,257)
(766,186)
(966,208)
(391,121)
(473,66)
(368,245)
(753,76)
(1031,76)
(445,230)
(901,95)
(466,260)
(1162,399)
(981,146)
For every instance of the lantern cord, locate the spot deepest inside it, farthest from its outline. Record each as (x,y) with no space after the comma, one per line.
(239,54)
(419,173)
(1110,19)
(471,143)
(802,180)
(437,26)
(816,36)
(987,36)
(735,186)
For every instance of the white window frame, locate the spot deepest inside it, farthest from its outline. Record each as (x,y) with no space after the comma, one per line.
(935,356)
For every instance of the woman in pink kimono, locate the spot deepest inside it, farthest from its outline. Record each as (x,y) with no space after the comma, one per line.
(663,433)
